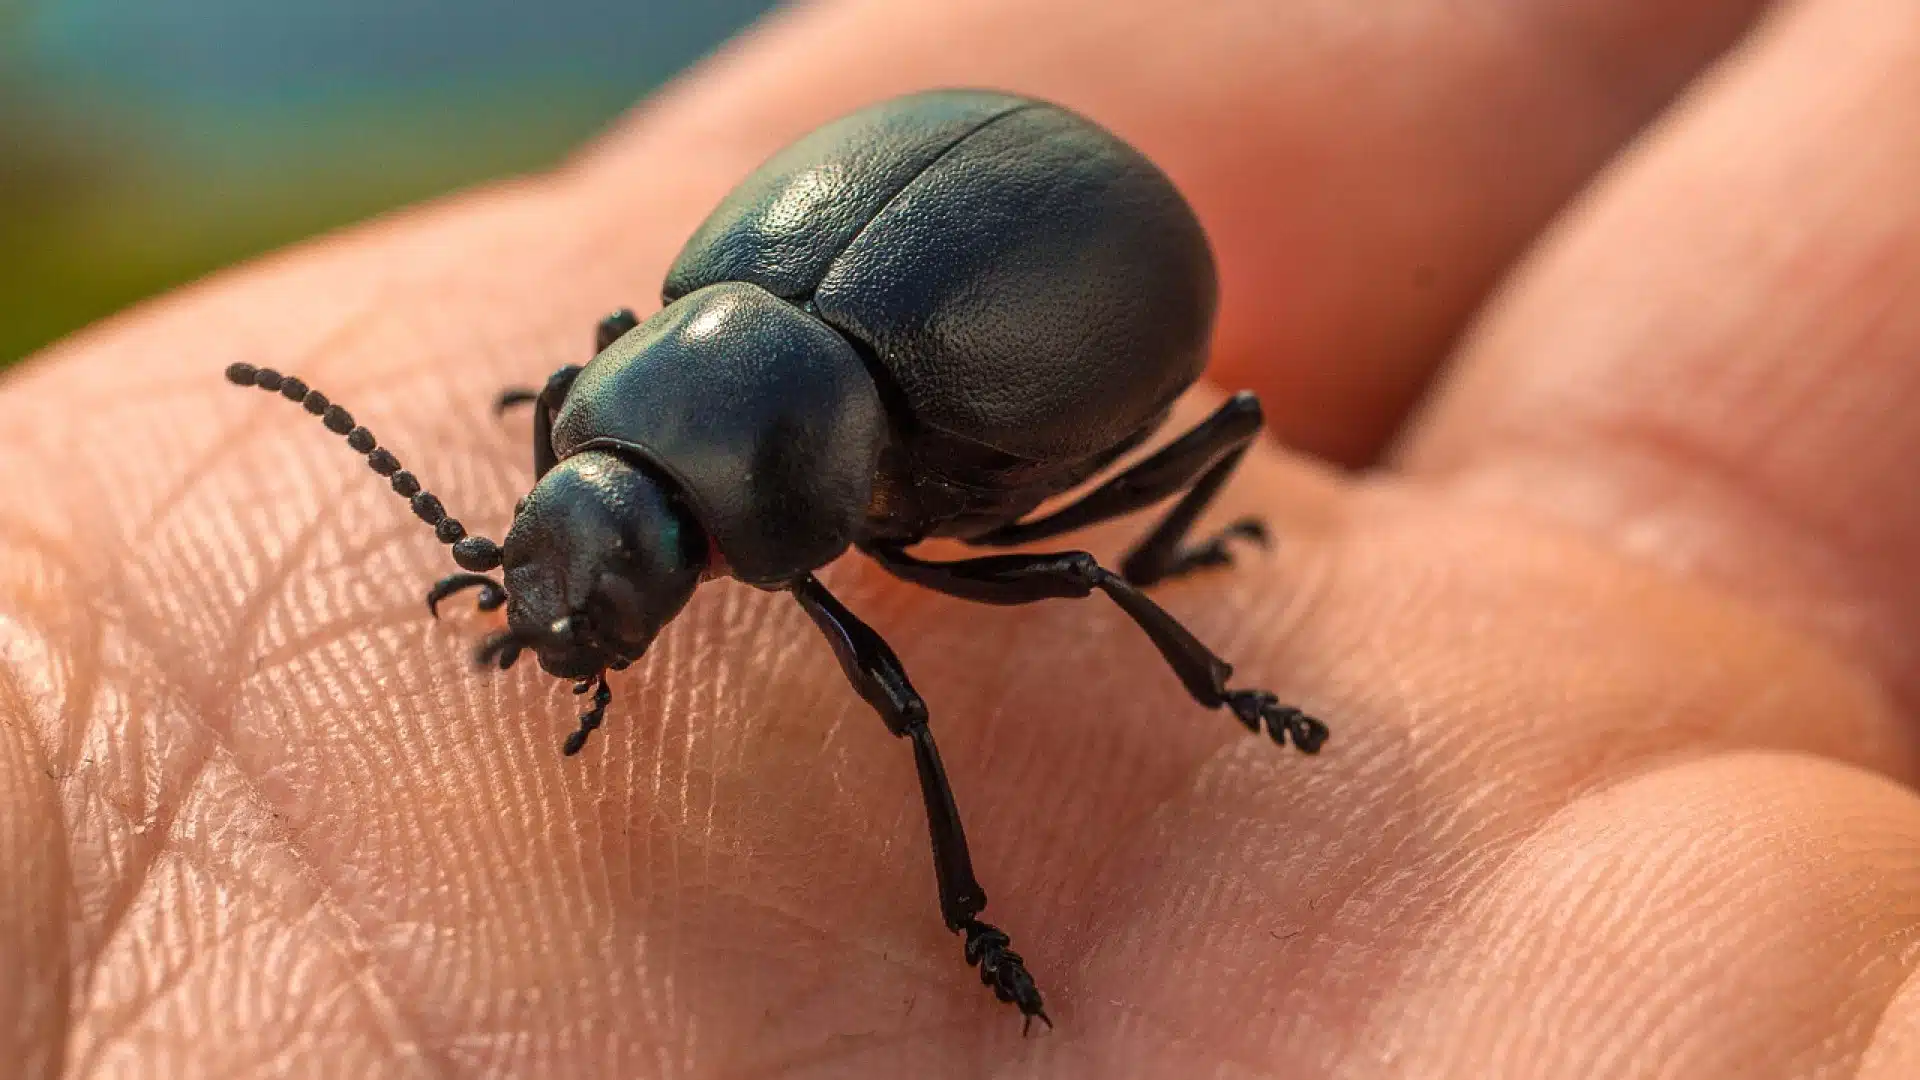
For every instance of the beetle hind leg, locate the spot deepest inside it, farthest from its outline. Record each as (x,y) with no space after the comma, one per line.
(546,401)
(1161,556)
(1199,461)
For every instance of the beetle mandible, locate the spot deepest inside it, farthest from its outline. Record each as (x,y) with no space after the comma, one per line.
(924,319)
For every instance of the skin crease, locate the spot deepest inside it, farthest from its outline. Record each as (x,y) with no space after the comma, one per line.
(1618,647)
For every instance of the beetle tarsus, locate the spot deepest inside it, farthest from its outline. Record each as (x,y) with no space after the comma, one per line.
(492,593)
(1256,708)
(1200,462)
(1207,555)
(1004,972)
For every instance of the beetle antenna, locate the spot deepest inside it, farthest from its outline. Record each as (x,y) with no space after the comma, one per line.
(475,553)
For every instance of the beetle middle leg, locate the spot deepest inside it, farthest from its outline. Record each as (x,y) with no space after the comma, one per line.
(1026,579)
(1199,461)
(874,670)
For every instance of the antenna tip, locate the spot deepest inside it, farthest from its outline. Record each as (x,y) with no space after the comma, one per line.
(241,374)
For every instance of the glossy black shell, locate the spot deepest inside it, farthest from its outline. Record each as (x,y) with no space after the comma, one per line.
(1024,295)
(1034,292)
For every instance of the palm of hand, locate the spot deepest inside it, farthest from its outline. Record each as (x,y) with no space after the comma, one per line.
(1620,656)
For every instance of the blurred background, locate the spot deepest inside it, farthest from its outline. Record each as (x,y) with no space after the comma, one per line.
(144,143)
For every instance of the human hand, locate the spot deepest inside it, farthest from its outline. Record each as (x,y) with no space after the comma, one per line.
(1621,650)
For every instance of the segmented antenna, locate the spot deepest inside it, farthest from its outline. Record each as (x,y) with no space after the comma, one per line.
(476,553)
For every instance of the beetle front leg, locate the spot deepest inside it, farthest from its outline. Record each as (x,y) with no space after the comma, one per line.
(874,670)
(546,403)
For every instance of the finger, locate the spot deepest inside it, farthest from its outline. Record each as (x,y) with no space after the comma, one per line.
(1717,362)
(1895,1051)
(1486,681)
(1364,173)
(1627,923)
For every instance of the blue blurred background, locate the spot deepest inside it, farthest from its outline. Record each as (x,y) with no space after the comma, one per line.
(146,142)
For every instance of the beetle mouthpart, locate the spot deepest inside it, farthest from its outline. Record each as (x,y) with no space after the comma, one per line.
(591,719)
(501,649)
(473,553)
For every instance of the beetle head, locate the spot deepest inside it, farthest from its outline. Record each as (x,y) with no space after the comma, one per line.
(600,557)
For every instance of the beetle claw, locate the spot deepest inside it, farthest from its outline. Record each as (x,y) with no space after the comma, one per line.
(1004,972)
(1258,708)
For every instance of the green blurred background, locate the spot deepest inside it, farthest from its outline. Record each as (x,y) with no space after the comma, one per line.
(146,142)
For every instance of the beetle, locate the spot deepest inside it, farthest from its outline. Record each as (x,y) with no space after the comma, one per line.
(924,319)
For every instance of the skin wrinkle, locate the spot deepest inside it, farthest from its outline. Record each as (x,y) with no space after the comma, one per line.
(82,649)
(33,1013)
(1511,832)
(289,847)
(1769,842)
(210,724)
(164,826)
(1809,575)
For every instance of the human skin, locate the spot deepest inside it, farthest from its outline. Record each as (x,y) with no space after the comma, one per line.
(1618,635)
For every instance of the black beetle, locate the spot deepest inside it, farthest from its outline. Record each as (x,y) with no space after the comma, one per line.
(923,319)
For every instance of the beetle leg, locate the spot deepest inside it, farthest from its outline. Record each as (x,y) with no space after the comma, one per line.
(1026,579)
(551,397)
(613,328)
(874,670)
(546,402)
(1199,461)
